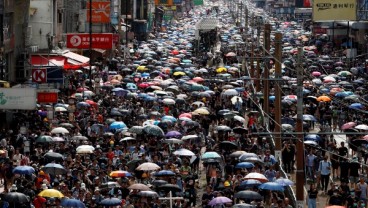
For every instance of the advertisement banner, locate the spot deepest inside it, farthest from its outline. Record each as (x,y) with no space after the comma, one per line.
(100,12)
(81,40)
(18,98)
(47,97)
(334,10)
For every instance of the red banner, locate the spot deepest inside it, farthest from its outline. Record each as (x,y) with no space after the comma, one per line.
(100,12)
(81,40)
(47,97)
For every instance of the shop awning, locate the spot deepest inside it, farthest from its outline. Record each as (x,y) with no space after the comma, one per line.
(46,60)
(74,58)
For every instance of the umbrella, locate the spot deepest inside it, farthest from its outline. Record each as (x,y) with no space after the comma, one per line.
(227,145)
(362,127)
(85,149)
(16,198)
(51,193)
(173,134)
(247,155)
(183,152)
(66,125)
(250,183)
(119,174)
(308,117)
(272,186)
(237,153)
(173,141)
(109,185)
(252,195)
(153,130)
(309,142)
(235,99)
(53,156)
(110,202)
(223,128)
(256,176)
(210,155)
(168,101)
(220,200)
(136,129)
(54,169)
(44,138)
(148,194)
(240,130)
(72,203)
(313,137)
(59,130)
(244,165)
(139,186)
(127,139)
(242,206)
(117,125)
(201,111)
(147,166)
(284,182)
(335,206)
(24,170)
(187,137)
(58,139)
(348,125)
(159,182)
(170,187)
(358,106)
(324,98)
(165,173)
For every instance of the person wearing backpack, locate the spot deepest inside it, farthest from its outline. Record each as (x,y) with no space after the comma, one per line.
(325,171)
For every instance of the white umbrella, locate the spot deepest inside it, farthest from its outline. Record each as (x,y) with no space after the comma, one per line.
(230,92)
(187,137)
(362,127)
(235,99)
(85,149)
(59,130)
(60,109)
(148,166)
(184,152)
(127,139)
(239,118)
(168,101)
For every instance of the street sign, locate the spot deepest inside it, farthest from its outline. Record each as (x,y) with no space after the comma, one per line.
(39,75)
(81,40)
(47,97)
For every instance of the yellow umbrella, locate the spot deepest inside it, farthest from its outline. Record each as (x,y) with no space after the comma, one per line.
(51,193)
(221,69)
(179,73)
(323,98)
(201,111)
(142,68)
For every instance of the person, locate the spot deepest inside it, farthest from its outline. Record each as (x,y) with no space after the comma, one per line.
(362,187)
(325,170)
(310,165)
(335,199)
(312,196)
(207,197)
(354,168)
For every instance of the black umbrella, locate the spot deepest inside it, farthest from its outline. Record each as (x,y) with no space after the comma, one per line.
(170,187)
(54,156)
(240,130)
(248,195)
(16,198)
(159,182)
(227,145)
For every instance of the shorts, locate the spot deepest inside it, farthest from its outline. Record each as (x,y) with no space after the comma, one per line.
(354,179)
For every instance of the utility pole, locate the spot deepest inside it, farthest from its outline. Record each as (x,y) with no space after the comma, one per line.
(246,18)
(266,72)
(299,128)
(277,103)
(90,44)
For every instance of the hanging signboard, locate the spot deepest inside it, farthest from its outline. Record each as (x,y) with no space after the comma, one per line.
(100,12)
(334,10)
(47,97)
(81,40)
(18,98)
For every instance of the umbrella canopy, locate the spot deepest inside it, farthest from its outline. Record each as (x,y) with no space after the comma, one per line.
(153,130)
(237,153)
(24,170)
(59,130)
(252,195)
(272,186)
(139,186)
(210,155)
(165,173)
(51,193)
(348,125)
(256,176)
(147,166)
(170,187)
(53,156)
(16,198)
(362,127)
(109,185)
(242,206)
(183,152)
(244,165)
(54,169)
(174,134)
(284,182)
(110,202)
(44,139)
(151,194)
(72,203)
(220,200)
(119,174)
(250,183)
(85,149)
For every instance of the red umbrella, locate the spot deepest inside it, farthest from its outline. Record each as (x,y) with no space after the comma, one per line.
(92,103)
(81,89)
(143,85)
(198,79)
(175,52)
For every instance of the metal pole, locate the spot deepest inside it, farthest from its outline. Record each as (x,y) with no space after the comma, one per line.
(246,18)
(258,76)
(90,43)
(266,72)
(278,57)
(299,128)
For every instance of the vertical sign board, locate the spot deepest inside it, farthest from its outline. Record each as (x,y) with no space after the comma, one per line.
(18,98)
(100,12)
(334,10)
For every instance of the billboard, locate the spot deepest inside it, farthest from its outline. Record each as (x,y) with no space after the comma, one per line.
(18,98)
(100,12)
(81,40)
(47,97)
(47,75)
(334,10)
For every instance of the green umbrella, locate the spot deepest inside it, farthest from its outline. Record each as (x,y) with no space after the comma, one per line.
(44,139)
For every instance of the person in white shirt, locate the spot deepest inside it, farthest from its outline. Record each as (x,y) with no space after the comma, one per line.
(17,157)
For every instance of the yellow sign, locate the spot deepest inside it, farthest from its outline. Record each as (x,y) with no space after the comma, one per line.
(334,10)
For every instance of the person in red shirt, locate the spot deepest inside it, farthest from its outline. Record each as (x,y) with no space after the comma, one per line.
(110,154)
(166,109)
(39,202)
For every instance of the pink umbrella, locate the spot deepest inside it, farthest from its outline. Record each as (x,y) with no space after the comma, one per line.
(316,73)
(365,137)
(198,79)
(348,125)
(187,115)
(143,85)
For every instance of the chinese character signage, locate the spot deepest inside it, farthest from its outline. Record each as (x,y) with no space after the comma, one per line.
(18,98)
(47,97)
(100,12)
(334,10)
(82,41)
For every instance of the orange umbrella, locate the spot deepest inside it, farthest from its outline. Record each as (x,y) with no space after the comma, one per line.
(119,174)
(323,98)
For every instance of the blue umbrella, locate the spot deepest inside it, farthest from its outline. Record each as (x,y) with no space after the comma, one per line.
(210,155)
(169,118)
(284,182)
(82,104)
(117,89)
(117,125)
(250,183)
(165,173)
(358,106)
(312,137)
(244,165)
(131,86)
(272,98)
(23,170)
(272,186)
(307,117)
(343,94)
(72,203)
(110,202)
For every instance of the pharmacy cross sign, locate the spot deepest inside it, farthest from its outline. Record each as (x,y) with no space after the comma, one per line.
(39,75)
